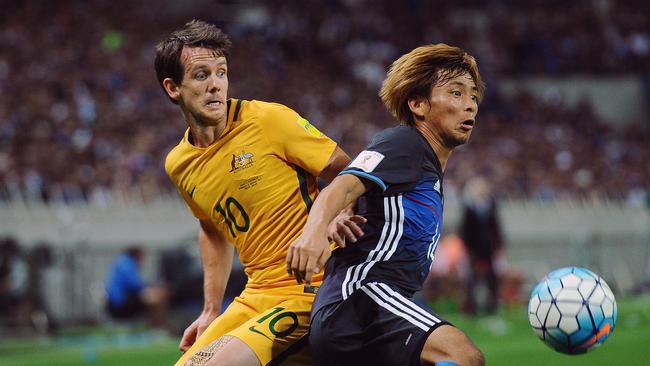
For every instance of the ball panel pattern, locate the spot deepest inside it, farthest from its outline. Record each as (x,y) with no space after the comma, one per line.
(572,310)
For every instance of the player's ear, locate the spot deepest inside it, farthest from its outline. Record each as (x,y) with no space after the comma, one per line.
(418,107)
(171,88)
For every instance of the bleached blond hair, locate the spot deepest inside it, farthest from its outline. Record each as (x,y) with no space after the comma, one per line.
(414,74)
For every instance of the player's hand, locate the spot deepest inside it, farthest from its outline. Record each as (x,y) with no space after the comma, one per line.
(306,256)
(346,227)
(195,329)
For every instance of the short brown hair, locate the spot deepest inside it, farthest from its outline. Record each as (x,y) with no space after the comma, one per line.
(414,75)
(195,33)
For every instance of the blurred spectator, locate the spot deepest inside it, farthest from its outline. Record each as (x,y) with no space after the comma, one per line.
(38,260)
(13,281)
(128,296)
(183,277)
(445,284)
(480,231)
(97,95)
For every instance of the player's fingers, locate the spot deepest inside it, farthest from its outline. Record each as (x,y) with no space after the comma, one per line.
(298,276)
(346,231)
(200,331)
(310,267)
(324,256)
(356,230)
(355,225)
(358,219)
(295,265)
(338,239)
(293,260)
(302,265)
(189,335)
(290,260)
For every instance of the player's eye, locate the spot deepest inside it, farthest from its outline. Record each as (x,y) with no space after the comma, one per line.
(221,73)
(201,76)
(475,98)
(456,93)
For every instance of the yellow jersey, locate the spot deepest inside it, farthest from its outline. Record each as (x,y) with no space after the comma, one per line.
(256,183)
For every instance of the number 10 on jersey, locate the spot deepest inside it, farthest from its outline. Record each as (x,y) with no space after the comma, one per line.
(233,222)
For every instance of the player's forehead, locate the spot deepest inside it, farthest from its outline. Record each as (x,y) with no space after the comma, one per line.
(464,80)
(194,56)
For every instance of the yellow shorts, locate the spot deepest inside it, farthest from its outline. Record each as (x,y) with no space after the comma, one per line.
(272,322)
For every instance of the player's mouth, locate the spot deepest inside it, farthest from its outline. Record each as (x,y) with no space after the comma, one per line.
(467,125)
(214,103)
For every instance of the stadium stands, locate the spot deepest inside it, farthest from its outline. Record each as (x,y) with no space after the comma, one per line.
(82,118)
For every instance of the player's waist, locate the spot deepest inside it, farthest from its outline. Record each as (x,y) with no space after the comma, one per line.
(275,277)
(347,279)
(293,289)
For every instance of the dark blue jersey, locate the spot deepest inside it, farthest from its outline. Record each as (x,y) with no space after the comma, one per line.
(404,213)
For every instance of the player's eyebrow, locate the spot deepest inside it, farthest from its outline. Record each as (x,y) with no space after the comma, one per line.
(201,63)
(460,83)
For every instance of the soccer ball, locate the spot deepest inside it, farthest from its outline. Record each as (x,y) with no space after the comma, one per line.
(572,310)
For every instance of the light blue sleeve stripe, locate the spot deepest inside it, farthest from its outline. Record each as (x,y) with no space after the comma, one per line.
(446,363)
(361,174)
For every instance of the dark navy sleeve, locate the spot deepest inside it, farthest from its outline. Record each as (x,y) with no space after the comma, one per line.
(394,157)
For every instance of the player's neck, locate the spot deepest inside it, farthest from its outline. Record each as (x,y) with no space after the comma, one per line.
(434,140)
(205,135)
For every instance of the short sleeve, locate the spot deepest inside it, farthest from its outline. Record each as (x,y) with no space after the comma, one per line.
(295,139)
(393,157)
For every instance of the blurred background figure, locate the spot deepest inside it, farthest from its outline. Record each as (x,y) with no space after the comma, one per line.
(22,302)
(181,271)
(13,281)
(183,278)
(480,230)
(128,296)
(39,259)
(445,285)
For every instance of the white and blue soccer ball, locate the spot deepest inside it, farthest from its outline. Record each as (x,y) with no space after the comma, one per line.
(572,310)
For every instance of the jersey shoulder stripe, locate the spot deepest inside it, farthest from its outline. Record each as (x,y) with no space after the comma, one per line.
(365,175)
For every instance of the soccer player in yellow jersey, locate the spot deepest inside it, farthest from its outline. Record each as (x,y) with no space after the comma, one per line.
(247,170)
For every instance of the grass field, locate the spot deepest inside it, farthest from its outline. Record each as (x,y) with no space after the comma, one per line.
(505,339)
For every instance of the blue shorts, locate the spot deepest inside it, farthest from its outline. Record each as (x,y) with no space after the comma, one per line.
(376,325)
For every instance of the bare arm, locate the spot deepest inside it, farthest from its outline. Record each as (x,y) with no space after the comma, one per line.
(346,225)
(309,252)
(335,164)
(216,256)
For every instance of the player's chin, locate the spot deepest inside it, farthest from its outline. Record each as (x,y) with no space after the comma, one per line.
(211,119)
(459,139)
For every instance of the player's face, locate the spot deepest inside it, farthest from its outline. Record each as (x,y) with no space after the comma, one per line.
(204,89)
(453,108)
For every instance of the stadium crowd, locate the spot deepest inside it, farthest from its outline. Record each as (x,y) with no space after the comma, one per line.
(82,117)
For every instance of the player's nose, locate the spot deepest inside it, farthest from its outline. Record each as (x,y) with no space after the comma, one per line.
(214,84)
(470,106)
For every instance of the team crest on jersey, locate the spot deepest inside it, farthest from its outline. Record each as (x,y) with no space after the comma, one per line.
(241,161)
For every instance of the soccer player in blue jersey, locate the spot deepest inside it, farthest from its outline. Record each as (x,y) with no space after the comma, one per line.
(363,312)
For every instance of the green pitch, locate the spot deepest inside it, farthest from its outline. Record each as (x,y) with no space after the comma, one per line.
(506,340)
